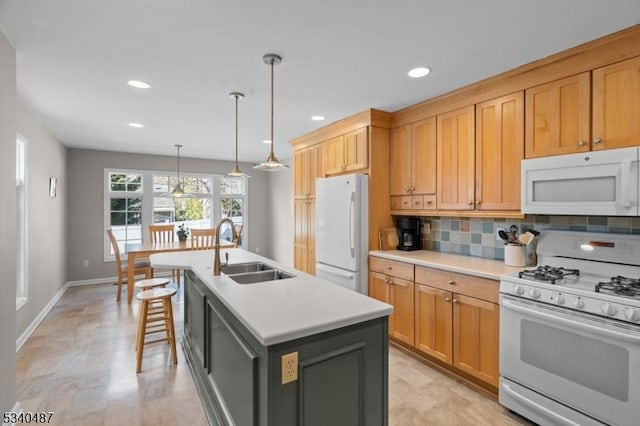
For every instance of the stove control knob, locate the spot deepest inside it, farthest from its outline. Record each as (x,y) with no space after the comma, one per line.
(559,299)
(578,303)
(534,292)
(518,290)
(609,309)
(632,315)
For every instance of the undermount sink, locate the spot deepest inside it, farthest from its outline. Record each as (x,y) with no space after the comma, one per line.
(260,276)
(239,268)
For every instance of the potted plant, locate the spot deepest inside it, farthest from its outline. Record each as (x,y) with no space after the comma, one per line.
(183,233)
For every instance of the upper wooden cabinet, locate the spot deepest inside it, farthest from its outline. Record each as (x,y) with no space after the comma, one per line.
(412,154)
(558,117)
(616,105)
(499,150)
(456,159)
(347,153)
(308,164)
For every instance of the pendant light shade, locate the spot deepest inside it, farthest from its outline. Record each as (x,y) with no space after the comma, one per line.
(236,170)
(272,163)
(178,191)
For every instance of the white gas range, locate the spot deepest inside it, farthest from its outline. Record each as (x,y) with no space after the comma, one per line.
(570,331)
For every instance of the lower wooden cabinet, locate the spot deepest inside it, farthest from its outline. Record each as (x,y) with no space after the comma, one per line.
(457,328)
(399,293)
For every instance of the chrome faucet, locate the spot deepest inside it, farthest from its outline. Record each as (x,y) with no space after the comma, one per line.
(217,267)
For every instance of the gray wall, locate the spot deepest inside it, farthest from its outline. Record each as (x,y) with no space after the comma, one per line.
(85,173)
(281,215)
(8,259)
(47,245)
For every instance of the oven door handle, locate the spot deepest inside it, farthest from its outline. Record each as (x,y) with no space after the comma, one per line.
(541,409)
(566,321)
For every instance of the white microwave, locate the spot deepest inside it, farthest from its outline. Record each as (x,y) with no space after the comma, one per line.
(598,183)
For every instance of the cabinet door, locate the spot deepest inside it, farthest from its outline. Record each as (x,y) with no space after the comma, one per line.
(558,117)
(311,236)
(379,286)
(423,164)
(455,151)
(616,105)
(356,148)
(499,150)
(300,173)
(400,160)
(300,237)
(434,322)
(316,166)
(334,156)
(401,321)
(475,337)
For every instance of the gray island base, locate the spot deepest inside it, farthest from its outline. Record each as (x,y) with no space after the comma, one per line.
(314,372)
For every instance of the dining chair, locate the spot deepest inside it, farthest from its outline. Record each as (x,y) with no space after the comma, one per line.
(165,234)
(237,240)
(203,239)
(142,267)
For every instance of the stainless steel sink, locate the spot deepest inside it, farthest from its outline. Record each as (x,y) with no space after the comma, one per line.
(239,268)
(260,276)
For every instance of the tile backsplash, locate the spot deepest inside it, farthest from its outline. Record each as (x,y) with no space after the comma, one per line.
(477,236)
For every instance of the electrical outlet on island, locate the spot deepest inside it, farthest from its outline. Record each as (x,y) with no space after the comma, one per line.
(289,367)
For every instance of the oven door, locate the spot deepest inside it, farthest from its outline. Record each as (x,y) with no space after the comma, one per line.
(583,361)
(593,183)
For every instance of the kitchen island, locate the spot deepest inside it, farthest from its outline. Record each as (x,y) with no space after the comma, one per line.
(284,352)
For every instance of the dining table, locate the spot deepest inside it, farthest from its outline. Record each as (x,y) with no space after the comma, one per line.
(137,251)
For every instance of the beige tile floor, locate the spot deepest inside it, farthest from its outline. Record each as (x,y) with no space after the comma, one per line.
(80,364)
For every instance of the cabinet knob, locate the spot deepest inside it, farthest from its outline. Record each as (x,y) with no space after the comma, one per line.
(446,299)
(387,280)
(452,282)
(455,300)
(597,141)
(388,268)
(407,189)
(429,202)
(470,202)
(582,143)
(479,202)
(413,188)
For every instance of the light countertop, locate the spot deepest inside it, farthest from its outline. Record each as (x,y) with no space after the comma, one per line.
(470,265)
(281,310)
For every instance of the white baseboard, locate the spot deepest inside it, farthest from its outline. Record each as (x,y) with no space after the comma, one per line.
(43,313)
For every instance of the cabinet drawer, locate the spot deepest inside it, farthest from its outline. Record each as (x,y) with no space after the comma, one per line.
(480,288)
(417,202)
(401,202)
(429,202)
(391,268)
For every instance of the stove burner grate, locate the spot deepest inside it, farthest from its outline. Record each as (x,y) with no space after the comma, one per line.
(621,286)
(549,274)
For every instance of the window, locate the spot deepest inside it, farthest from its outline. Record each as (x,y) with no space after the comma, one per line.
(134,199)
(125,194)
(21,222)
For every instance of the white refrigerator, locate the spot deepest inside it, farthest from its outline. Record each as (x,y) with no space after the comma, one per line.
(342,229)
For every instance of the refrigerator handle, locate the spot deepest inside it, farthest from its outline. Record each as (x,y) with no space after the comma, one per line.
(352,203)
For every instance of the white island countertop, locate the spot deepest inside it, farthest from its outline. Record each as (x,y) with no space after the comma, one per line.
(280,310)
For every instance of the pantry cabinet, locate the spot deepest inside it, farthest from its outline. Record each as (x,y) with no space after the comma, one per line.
(392,282)
(347,153)
(412,171)
(457,321)
(308,164)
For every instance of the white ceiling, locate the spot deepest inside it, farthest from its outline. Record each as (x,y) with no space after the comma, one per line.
(339,57)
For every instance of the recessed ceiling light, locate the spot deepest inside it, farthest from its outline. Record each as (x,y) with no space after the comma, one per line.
(266,141)
(136,125)
(318,117)
(138,84)
(419,72)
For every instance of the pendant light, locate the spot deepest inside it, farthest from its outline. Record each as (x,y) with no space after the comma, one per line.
(236,170)
(272,163)
(178,191)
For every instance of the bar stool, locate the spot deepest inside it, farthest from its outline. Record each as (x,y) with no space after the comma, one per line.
(156,320)
(155,307)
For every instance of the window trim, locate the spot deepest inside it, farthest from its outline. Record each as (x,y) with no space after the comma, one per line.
(22,209)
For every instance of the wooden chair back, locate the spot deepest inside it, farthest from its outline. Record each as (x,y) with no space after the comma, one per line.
(203,239)
(237,240)
(116,248)
(162,233)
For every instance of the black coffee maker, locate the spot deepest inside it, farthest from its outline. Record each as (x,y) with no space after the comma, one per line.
(409,233)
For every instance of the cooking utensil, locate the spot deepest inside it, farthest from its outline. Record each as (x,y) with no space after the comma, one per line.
(533,231)
(503,235)
(525,238)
